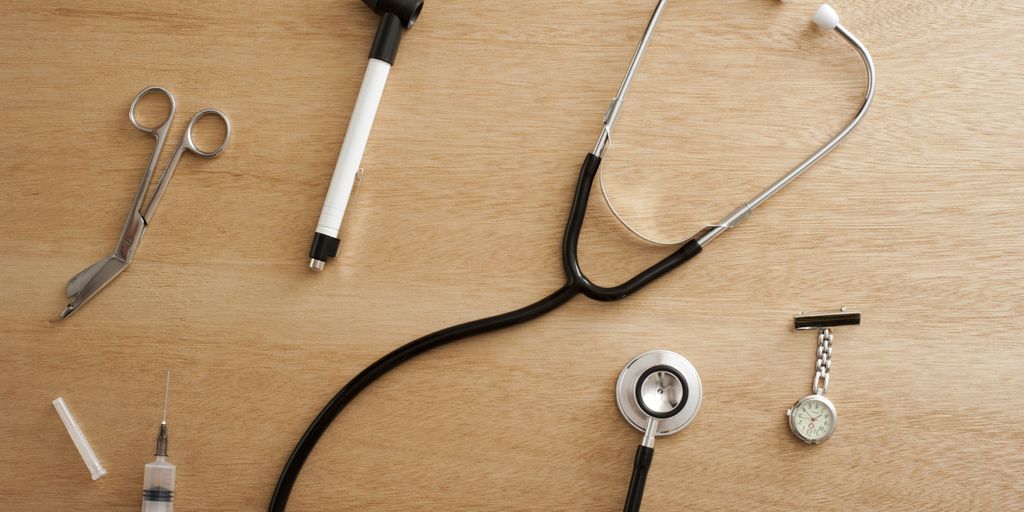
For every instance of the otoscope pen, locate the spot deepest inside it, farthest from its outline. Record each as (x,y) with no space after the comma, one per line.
(395,17)
(158,485)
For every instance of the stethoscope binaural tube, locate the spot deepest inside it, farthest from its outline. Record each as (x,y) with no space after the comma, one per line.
(825,17)
(576,283)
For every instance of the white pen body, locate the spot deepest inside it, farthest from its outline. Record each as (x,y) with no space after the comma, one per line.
(352,149)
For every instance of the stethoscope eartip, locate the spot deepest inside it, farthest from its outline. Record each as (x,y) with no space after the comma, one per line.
(826,17)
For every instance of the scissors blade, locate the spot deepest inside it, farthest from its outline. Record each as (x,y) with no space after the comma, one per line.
(102,274)
(76,283)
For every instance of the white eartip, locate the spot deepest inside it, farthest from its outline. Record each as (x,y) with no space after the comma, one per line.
(826,17)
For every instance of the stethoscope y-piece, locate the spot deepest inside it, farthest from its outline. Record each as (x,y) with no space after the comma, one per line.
(576,281)
(90,281)
(659,393)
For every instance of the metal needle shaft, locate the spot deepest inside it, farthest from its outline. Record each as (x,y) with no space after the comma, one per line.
(167,388)
(161,438)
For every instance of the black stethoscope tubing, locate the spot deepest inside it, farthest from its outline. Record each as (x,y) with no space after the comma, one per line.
(576,283)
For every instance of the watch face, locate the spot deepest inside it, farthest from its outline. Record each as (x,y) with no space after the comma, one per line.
(813,419)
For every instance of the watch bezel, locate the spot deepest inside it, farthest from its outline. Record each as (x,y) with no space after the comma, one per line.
(813,398)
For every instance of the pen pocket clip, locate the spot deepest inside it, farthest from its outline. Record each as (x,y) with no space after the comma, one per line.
(355,188)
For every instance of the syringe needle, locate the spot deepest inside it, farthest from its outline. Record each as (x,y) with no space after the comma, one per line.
(167,388)
(161,438)
(158,482)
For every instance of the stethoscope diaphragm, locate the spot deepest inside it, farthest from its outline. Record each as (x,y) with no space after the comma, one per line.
(659,384)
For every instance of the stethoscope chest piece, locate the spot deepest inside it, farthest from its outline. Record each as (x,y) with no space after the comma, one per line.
(659,384)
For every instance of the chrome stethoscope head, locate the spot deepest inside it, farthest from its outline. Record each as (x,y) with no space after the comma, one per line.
(659,392)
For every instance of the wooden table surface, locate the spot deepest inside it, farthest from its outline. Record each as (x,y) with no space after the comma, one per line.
(915,220)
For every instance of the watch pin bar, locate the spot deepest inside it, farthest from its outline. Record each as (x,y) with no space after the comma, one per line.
(809,321)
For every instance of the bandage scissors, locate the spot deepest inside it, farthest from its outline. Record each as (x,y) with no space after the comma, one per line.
(90,281)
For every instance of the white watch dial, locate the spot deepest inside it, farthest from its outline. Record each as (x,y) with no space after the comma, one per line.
(813,420)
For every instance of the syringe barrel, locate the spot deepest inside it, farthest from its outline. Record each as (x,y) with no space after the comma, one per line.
(158,486)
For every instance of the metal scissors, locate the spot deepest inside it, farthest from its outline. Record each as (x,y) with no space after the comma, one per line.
(90,281)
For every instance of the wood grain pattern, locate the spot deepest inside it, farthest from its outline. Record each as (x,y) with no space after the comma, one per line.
(916,221)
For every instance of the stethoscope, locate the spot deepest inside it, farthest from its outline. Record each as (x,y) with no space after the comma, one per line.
(576,281)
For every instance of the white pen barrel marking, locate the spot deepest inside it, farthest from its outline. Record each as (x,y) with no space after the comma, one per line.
(353,147)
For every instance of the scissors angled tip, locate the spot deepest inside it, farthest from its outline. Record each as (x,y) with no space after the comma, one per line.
(93,279)
(67,312)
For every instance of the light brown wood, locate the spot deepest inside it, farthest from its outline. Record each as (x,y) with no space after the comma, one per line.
(916,221)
